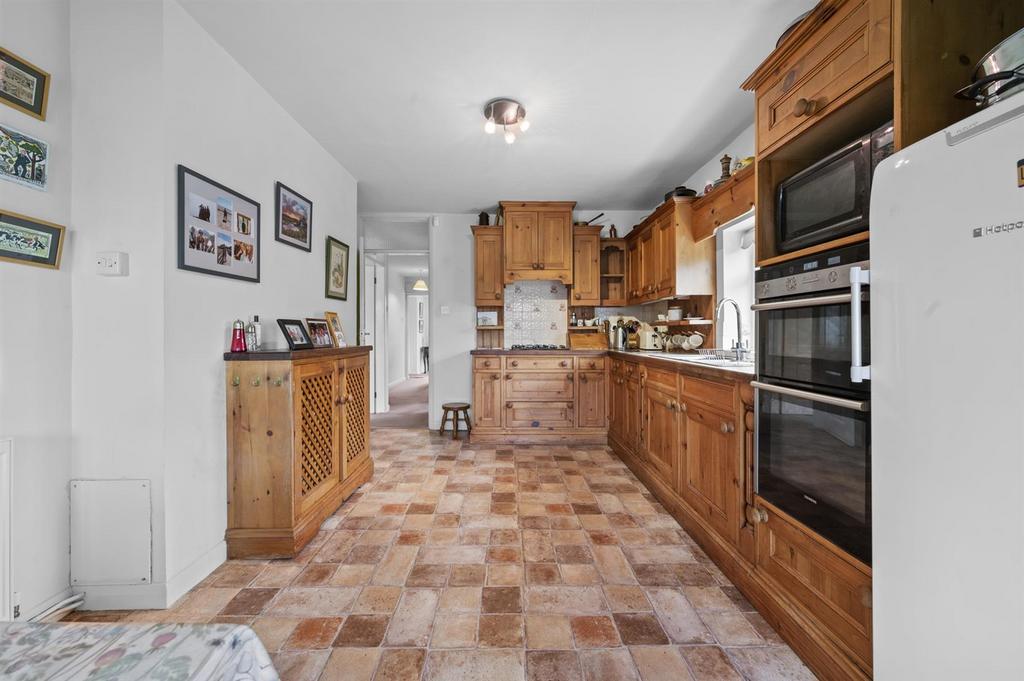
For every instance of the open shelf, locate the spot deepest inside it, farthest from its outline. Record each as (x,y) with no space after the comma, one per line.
(613,272)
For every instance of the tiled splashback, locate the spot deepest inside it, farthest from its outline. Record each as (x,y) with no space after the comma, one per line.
(535,312)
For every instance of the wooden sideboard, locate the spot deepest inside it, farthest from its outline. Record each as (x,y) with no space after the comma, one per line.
(298,436)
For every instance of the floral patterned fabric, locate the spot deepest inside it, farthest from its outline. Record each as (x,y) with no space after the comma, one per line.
(123,652)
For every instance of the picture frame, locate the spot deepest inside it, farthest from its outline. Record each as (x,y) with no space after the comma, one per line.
(294,214)
(336,269)
(295,333)
(23,158)
(30,241)
(218,229)
(319,333)
(487,318)
(337,333)
(23,85)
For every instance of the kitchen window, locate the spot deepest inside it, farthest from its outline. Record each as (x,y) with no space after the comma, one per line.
(735,274)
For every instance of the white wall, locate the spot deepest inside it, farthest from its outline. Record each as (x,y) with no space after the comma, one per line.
(740,147)
(148,374)
(35,323)
(395,344)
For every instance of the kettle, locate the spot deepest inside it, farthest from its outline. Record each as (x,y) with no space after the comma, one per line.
(616,337)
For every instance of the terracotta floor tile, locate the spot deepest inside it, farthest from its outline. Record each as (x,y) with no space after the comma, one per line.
(452,555)
(594,631)
(579,574)
(411,623)
(573,554)
(504,554)
(505,537)
(444,536)
(249,602)
(277,575)
(394,568)
(543,573)
(769,664)
(404,664)
(677,616)
(479,536)
(475,665)
(612,564)
(466,598)
(411,537)
(316,574)
(640,628)
(709,598)
(362,631)
(548,631)
(313,634)
(624,598)
(377,599)
(234,574)
(351,664)
(660,663)
(709,663)
(427,575)
(501,599)
(608,665)
(352,575)
(312,601)
(571,600)
(501,631)
(202,602)
(299,665)
(467,575)
(274,631)
(504,574)
(731,628)
(454,630)
(366,554)
(552,665)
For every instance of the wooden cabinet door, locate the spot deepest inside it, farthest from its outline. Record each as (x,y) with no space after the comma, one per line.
(665,245)
(709,475)
(648,264)
(661,432)
(616,414)
(586,265)
(490,283)
(487,404)
(631,413)
(539,386)
(591,389)
(318,444)
(357,413)
(554,243)
(633,272)
(520,242)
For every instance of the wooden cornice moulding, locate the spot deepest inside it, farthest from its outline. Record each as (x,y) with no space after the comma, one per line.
(818,16)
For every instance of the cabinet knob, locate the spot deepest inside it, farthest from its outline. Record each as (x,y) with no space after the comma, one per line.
(257,381)
(278,382)
(236,381)
(514,363)
(495,377)
(577,296)
(593,365)
(568,377)
(497,296)
(508,405)
(487,362)
(583,379)
(805,107)
(540,265)
(682,406)
(563,363)
(508,377)
(727,427)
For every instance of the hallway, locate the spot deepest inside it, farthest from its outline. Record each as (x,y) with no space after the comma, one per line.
(408,405)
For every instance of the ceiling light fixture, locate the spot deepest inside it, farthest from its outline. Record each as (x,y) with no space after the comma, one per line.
(508,113)
(421,284)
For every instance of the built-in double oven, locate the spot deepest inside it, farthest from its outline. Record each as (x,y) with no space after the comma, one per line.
(813,425)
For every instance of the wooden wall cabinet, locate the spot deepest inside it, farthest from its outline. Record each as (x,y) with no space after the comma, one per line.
(298,428)
(538,240)
(614,274)
(586,265)
(488,264)
(724,203)
(665,259)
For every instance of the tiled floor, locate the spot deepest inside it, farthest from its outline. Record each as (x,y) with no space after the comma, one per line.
(461,562)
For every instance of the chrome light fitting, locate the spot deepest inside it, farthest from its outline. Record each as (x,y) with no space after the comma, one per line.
(509,114)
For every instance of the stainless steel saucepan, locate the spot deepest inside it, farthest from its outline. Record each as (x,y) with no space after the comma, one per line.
(999,74)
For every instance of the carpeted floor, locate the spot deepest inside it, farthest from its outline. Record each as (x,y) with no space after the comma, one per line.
(408,405)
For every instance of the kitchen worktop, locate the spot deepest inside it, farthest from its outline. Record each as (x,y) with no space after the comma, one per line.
(675,359)
(566,351)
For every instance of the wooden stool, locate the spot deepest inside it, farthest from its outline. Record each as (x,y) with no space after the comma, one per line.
(455,409)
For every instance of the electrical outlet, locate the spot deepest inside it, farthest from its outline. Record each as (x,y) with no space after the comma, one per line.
(445,309)
(16,602)
(112,264)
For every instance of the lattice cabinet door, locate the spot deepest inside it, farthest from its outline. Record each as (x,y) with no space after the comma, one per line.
(317,433)
(357,413)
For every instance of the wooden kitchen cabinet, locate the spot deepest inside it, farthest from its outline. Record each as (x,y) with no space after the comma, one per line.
(664,279)
(591,399)
(298,441)
(665,260)
(660,439)
(488,265)
(724,203)
(709,479)
(487,398)
(586,264)
(538,240)
(649,261)
(633,271)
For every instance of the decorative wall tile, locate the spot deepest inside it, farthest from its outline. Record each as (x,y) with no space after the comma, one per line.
(535,313)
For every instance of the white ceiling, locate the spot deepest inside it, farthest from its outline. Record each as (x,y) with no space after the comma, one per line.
(408,265)
(627,98)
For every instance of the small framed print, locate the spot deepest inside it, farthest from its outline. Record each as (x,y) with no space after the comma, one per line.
(334,324)
(29,241)
(218,229)
(294,218)
(486,317)
(320,333)
(23,86)
(23,158)
(295,333)
(336,275)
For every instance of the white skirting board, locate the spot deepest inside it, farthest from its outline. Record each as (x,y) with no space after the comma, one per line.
(111,533)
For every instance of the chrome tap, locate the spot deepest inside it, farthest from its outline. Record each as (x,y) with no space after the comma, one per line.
(738,347)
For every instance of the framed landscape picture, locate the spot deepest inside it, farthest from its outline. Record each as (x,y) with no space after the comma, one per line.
(336,273)
(218,229)
(294,218)
(23,86)
(23,159)
(30,241)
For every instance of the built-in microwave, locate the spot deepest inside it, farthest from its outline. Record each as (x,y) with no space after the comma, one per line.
(830,198)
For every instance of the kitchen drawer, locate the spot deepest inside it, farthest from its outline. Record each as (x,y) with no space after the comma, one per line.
(663,379)
(541,415)
(524,385)
(832,587)
(488,363)
(590,363)
(537,363)
(848,47)
(714,394)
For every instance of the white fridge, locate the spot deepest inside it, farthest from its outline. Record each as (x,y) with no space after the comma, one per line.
(947,391)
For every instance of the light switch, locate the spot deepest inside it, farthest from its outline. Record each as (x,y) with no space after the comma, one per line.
(112,264)
(445,309)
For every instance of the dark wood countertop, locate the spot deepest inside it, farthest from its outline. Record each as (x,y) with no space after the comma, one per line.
(567,351)
(286,354)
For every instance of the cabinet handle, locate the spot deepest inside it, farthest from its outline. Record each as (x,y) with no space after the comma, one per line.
(278,382)
(508,377)
(508,405)
(487,362)
(540,265)
(495,377)
(727,427)
(805,107)
(514,363)
(257,381)
(236,381)
(578,296)
(497,296)
(593,365)
(583,379)
(563,363)
(682,406)
(568,377)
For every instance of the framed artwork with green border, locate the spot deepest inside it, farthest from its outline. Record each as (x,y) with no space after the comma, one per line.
(29,241)
(336,270)
(23,86)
